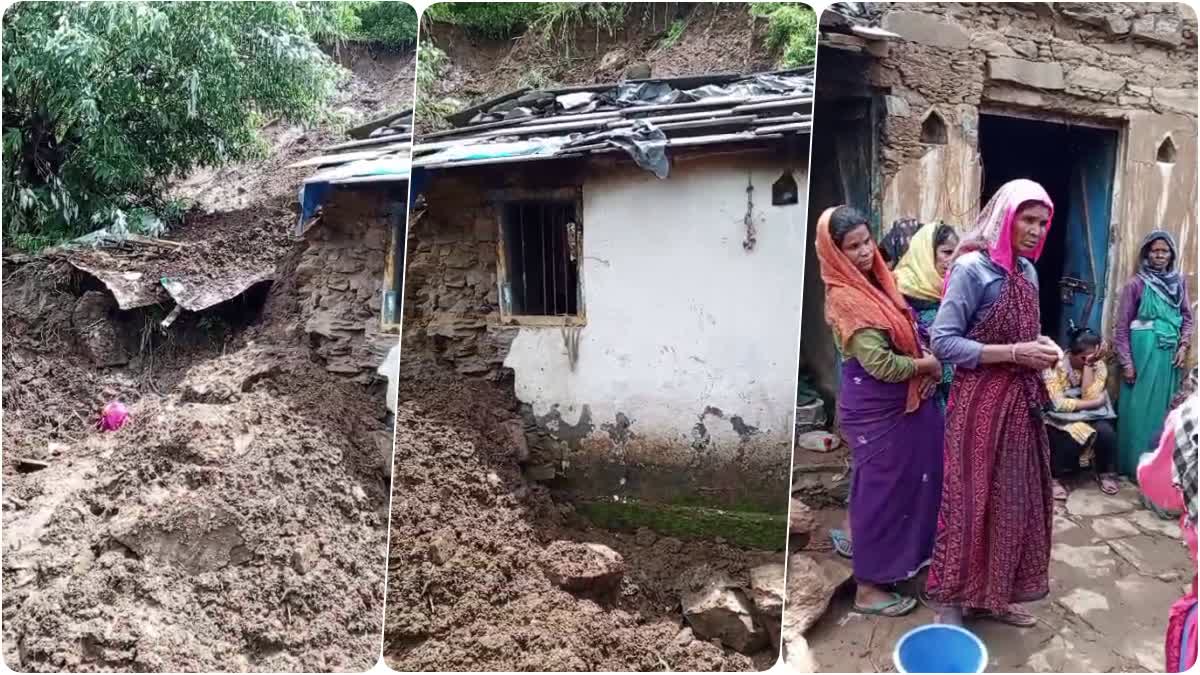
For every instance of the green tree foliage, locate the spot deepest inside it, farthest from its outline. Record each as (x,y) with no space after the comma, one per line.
(105,101)
(386,23)
(791,30)
(497,20)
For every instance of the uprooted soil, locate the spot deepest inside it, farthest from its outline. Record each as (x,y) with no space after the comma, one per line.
(378,82)
(715,38)
(238,520)
(467,586)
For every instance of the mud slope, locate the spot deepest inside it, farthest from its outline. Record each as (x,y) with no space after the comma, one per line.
(238,521)
(716,38)
(470,541)
(377,82)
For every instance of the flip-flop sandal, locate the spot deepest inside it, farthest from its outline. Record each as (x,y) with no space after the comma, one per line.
(1011,617)
(897,606)
(1108,485)
(841,543)
(1059,491)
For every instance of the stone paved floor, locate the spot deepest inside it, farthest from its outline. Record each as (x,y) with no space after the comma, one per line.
(1115,570)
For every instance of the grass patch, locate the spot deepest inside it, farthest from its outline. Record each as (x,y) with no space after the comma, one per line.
(747,529)
(673,34)
(791,31)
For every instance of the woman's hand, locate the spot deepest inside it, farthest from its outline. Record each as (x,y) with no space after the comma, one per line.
(1129,373)
(927,387)
(1181,356)
(1037,354)
(929,365)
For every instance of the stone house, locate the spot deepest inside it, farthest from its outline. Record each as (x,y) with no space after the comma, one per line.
(353,215)
(622,256)
(925,109)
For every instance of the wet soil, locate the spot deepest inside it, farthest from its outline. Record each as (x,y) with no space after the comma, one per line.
(237,522)
(715,38)
(378,82)
(471,541)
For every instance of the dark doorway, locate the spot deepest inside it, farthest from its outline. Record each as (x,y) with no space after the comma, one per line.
(1075,164)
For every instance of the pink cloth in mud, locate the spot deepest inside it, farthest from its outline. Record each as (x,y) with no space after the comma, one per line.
(113,416)
(993,228)
(1155,479)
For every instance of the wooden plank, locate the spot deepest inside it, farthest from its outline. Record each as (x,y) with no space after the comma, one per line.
(364,130)
(342,158)
(377,140)
(796,102)
(779,128)
(461,117)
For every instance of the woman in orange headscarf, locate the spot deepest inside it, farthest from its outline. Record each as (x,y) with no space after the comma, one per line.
(894,429)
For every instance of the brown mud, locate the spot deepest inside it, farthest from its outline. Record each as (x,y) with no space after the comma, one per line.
(715,38)
(237,522)
(468,587)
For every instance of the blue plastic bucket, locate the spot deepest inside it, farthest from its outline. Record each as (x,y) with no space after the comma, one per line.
(939,648)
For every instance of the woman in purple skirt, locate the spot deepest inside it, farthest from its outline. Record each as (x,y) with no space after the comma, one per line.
(895,430)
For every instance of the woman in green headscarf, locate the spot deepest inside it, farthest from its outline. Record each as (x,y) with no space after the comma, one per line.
(1151,337)
(919,276)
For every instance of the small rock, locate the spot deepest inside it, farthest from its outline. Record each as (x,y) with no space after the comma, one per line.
(717,609)
(801,525)
(441,549)
(612,59)
(306,555)
(435,510)
(541,472)
(579,567)
(645,537)
(810,587)
(493,479)
(517,440)
(684,637)
(638,71)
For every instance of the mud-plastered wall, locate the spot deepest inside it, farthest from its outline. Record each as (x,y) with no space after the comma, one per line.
(339,279)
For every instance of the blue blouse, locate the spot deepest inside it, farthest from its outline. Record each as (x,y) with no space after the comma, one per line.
(974,286)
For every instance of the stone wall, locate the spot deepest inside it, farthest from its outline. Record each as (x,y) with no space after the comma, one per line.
(1129,66)
(338,280)
(451,301)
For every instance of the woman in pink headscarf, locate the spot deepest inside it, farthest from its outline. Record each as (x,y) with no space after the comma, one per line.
(992,549)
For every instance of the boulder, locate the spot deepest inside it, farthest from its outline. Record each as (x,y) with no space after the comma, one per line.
(718,609)
(767,590)
(801,525)
(810,587)
(583,568)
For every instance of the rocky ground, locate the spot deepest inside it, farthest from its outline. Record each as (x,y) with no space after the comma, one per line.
(1115,570)
(238,520)
(488,571)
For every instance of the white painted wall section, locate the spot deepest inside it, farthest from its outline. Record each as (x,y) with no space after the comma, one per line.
(680,317)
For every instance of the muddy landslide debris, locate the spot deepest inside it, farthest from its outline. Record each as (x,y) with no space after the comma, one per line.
(717,608)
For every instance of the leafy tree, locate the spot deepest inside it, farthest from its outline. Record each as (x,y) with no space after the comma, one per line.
(105,101)
(386,23)
(791,30)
